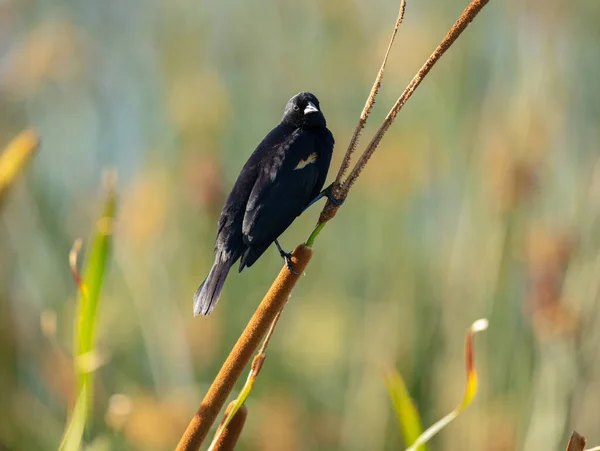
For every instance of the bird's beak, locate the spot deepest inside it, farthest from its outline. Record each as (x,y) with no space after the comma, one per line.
(310,108)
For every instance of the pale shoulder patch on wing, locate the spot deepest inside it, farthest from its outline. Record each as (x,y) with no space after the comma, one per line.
(309,160)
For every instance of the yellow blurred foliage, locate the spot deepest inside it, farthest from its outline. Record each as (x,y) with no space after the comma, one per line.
(57,370)
(15,156)
(400,166)
(509,179)
(314,338)
(144,208)
(278,416)
(54,50)
(151,424)
(199,104)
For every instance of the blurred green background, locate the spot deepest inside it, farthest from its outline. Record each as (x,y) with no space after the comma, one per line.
(482,201)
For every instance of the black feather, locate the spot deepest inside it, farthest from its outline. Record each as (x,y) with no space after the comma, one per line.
(208,292)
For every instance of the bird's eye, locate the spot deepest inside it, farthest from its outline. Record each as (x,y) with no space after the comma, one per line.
(296,107)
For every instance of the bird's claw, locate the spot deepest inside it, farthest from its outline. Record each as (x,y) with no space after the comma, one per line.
(329,195)
(287,256)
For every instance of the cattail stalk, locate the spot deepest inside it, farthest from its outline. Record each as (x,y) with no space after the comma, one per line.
(242,352)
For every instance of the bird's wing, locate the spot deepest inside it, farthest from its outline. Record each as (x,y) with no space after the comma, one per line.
(281,192)
(229,233)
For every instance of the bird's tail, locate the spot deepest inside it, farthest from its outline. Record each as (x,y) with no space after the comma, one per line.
(208,293)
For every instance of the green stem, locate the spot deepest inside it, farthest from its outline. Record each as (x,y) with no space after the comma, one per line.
(313,235)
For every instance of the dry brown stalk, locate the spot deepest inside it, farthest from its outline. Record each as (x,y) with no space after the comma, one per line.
(73,257)
(576,442)
(459,26)
(369,103)
(231,433)
(258,361)
(243,350)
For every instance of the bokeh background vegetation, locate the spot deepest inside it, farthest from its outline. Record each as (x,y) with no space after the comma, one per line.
(482,201)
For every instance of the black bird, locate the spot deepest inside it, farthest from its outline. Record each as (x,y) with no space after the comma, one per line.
(280,179)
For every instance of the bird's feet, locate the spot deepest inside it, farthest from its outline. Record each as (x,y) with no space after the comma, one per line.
(329,195)
(287,256)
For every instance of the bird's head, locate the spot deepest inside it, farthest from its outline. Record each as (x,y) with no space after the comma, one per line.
(303,110)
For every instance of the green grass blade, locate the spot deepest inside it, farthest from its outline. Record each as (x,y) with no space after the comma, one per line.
(90,286)
(73,435)
(470,389)
(406,412)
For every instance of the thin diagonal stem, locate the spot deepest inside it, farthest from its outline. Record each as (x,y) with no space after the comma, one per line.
(341,192)
(459,26)
(369,103)
(231,432)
